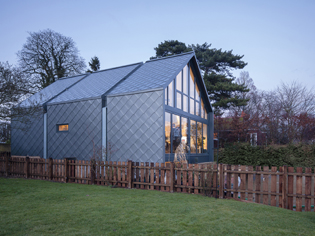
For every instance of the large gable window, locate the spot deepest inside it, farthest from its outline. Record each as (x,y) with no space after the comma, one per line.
(186,116)
(183,93)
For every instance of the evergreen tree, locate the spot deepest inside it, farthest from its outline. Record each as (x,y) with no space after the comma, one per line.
(94,64)
(217,66)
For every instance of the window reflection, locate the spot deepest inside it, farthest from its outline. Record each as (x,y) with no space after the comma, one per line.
(179,100)
(192,106)
(191,84)
(192,136)
(185,80)
(185,130)
(179,81)
(205,138)
(199,137)
(175,132)
(185,103)
(171,94)
(197,93)
(202,109)
(197,109)
(167,132)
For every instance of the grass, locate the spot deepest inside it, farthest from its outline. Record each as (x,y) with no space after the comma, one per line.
(37,207)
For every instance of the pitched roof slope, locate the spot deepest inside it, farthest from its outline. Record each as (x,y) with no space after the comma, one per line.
(153,74)
(95,84)
(51,91)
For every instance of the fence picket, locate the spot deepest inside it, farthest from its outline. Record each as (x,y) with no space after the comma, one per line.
(299,170)
(265,181)
(250,183)
(243,183)
(157,175)
(152,176)
(274,197)
(308,183)
(258,185)
(290,187)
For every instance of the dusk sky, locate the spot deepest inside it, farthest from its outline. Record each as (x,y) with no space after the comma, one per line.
(277,38)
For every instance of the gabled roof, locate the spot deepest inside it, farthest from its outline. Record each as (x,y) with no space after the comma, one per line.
(154,74)
(96,84)
(51,91)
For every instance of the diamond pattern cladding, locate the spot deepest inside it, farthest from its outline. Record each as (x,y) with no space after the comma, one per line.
(95,85)
(135,126)
(50,91)
(153,74)
(84,119)
(27,138)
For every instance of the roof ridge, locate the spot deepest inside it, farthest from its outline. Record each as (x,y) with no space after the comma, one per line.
(113,68)
(176,55)
(69,77)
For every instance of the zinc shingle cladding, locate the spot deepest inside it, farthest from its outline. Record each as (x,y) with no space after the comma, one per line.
(84,119)
(135,126)
(95,84)
(153,74)
(50,91)
(27,137)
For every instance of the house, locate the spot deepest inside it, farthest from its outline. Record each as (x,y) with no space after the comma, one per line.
(141,112)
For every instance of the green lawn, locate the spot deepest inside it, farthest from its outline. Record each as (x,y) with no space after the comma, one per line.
(37,207)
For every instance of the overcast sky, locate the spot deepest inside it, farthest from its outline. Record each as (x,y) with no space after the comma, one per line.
(277,38)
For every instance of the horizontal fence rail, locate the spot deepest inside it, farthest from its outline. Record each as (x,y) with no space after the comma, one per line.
(283,187)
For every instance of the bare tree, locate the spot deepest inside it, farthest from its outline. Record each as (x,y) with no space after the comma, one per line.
(14,87)
(48,56)
(295,99)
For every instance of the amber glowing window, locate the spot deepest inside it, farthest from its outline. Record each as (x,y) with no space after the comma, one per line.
(62,128)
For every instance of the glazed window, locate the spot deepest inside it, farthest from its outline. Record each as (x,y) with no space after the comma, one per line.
(167,132)
(63,128)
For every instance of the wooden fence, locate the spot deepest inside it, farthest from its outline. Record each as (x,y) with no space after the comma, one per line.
(282,187)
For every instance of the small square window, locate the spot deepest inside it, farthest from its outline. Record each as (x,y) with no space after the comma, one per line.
(63,128)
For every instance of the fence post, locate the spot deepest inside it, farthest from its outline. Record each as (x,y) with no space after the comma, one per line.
(284,187)
(7,164)
(27,167)
(172,166)
(92,169)
(221,181)
(129,174)
(66,174)
(50,168)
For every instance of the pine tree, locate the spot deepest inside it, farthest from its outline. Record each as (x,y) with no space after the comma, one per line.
(217,66)
(94,64)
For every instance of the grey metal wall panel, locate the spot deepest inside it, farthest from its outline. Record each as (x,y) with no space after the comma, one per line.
(84,119)
(27,136)
(135,126)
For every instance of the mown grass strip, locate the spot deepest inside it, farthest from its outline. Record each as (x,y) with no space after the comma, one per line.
(36,207)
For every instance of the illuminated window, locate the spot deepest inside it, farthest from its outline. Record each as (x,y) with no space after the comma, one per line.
(63,127)
(167,132)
